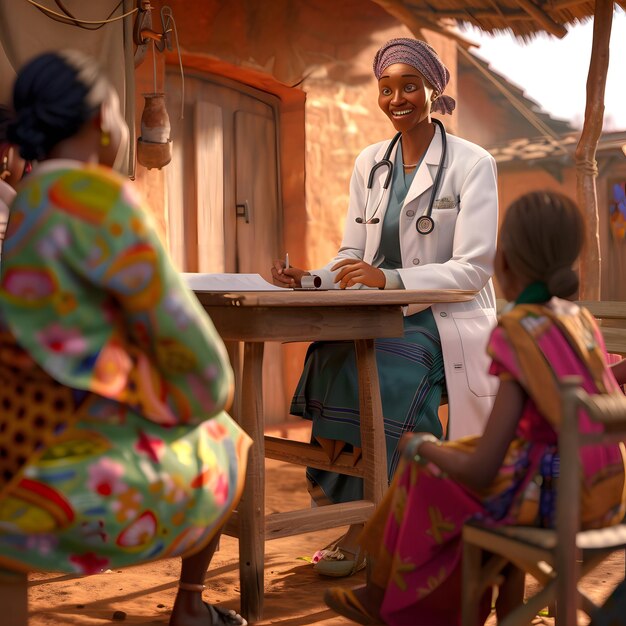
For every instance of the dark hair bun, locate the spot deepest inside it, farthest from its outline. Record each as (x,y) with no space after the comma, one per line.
(541,236)
(24,132)
(54,95)
(562,282)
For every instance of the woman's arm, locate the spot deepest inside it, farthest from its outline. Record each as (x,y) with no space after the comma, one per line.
(152,306)
(478,469)
(619,371)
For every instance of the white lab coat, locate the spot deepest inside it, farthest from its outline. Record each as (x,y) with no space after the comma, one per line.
(457,254)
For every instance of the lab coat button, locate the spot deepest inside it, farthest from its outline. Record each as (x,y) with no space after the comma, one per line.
(416,261)
(443,314)
(410,213)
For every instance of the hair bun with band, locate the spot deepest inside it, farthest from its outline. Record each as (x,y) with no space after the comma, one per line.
(562,282)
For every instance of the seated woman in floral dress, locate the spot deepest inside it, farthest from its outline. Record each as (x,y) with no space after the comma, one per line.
(115,448)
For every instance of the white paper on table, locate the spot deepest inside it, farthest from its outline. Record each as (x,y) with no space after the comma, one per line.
(228,282)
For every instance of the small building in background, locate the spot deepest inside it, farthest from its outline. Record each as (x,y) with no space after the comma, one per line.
(534,151)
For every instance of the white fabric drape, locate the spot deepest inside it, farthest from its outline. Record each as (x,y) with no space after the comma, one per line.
(26,32)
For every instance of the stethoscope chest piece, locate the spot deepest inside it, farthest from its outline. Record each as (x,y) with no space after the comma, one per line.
(425,225)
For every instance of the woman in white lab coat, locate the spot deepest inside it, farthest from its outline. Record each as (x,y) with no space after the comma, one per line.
(393,240)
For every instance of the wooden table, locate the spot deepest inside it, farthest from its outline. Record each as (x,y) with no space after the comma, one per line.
(256,317)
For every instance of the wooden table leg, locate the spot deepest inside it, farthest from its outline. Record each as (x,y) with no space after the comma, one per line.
(372,426)
(252,505)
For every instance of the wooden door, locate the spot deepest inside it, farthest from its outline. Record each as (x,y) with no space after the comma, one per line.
(224,212)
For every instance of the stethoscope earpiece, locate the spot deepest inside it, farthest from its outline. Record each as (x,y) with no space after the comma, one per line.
(425,224)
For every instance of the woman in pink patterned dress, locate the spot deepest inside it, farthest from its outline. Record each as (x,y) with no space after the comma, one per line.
(507,476)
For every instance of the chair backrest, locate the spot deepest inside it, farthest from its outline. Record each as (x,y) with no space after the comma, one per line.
(606,409)
(611,316)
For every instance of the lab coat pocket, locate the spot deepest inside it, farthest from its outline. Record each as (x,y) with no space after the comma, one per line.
(474,328)
(445,226)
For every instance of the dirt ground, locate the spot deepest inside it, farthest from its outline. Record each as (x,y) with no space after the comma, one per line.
(293,592)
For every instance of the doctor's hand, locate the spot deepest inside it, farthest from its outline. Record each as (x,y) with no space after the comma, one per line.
(287,277)
(353,272)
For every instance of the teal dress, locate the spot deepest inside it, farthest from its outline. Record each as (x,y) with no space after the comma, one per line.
(410,371)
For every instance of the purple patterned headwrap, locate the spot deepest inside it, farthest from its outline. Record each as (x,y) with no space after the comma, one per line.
(424,59)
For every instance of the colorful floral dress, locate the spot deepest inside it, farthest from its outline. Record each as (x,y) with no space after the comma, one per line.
(421,517)
(114,445)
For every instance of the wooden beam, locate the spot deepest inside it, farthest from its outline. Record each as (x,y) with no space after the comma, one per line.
(279,525)
(543,18)
(408,16)
(586,167)
(301,453)
(290,523)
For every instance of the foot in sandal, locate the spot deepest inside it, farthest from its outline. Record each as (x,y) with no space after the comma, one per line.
(354,604)
(339,562)
(190,610)
(342,557)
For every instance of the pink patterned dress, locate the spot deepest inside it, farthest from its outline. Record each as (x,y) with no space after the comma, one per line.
(421,518)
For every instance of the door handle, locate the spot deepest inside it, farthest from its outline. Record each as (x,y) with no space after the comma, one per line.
(242,210)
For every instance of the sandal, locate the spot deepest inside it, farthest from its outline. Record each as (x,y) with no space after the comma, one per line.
(224,617)
(219,616)
(344,602)
(333,561)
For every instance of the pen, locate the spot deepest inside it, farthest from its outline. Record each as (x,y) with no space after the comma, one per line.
(287,260)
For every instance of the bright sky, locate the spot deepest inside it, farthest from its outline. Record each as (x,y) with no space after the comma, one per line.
(553,72)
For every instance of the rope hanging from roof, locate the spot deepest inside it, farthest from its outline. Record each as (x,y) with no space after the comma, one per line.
(529,115)
(67,18)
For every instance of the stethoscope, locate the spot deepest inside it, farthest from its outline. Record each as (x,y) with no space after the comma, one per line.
(425,223)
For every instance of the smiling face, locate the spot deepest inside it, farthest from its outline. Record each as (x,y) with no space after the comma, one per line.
(404,96)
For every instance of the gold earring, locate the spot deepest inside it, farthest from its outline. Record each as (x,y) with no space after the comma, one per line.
(105,138)
(5,172)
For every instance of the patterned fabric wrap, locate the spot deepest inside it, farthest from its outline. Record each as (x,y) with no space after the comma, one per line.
(422,515)
(424,59)
(114,446)
(411,377)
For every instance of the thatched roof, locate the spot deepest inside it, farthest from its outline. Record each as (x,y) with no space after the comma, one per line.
(525,150)
(523,18)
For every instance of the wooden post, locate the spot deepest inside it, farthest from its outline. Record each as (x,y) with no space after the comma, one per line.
(373,444)
(14,599)
(586,166)
(252,504)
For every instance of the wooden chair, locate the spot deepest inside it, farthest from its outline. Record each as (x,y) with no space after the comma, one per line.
(611,315)
(556,558)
